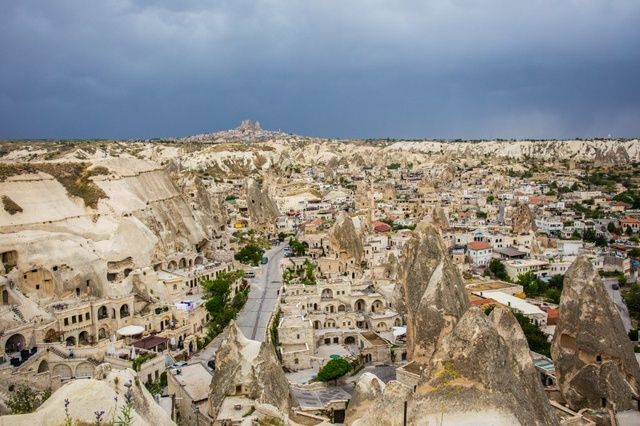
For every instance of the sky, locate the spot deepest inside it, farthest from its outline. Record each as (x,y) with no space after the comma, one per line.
(452,69)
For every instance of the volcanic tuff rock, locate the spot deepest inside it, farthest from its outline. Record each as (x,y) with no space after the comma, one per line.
(263,211)
(593,356)
(345,240)
(251,365)
(509,329)
(433,292)
(368,388)
(476,377)
(522,220)
(439,218)
(88,396)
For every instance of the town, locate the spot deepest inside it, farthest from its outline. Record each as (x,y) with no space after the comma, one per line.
(260,277)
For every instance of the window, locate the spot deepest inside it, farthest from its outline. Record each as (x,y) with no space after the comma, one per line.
(66,321)
(297,336)
(87,316)
(73,319)
(327,341)
(295,361)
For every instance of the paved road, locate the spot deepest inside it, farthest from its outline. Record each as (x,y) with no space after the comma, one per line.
(255,314)
(616,297)
(254,317)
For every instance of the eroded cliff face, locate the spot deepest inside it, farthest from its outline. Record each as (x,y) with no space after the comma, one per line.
(439,218)
(88,396)
(475,377)
(593,356)
(139,218)
(263,211)
(248,368)
(432,290)
(522,220)
(345,240)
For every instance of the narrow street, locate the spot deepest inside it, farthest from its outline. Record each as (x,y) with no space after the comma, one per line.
(254,316)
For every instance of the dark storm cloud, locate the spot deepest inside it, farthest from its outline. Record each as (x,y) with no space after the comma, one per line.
(440,68)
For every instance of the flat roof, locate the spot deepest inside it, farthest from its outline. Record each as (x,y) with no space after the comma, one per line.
(195,379)
(512,302)
(149,342)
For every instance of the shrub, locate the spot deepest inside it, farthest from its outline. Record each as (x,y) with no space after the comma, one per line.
(10,206)
(334,369)
(250,253)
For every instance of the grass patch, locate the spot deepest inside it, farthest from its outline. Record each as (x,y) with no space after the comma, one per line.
(73,176)
(10,206)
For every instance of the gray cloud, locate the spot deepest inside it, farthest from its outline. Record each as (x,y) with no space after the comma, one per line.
(405,68)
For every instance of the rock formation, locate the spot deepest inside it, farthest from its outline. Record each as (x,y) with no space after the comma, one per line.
(345,240)
(476,377)
(522,220)
(368,389)
(433,292)
(439,218)
(593,356)
(248,368)
(88,396)
(263,211)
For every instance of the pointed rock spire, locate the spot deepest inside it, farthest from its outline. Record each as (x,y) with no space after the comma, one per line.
(432,290)
(593,356)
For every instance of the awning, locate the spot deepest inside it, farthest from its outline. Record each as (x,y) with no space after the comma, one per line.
(131,330)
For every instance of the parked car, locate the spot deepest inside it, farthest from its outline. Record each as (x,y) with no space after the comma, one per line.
(615,286)
(264,260)
(250,274)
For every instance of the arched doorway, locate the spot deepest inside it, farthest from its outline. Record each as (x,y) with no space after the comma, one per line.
(15,343)
(43,367)
(359,306)
(377,306)
(84,369)
(5,297)
(71,341)
(102,333)
(124,311)
(62,370)
(102,312)
(317,325)
(398,322)
(349,340)
(83,338)
(51,336)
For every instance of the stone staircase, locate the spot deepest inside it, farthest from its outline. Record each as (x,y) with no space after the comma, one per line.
(18,313)
(62,354)
(94,361)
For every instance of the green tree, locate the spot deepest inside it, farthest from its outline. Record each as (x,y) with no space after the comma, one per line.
(25,400)
(634,252)
(632,299)
(250,253)
(298,248)
(221,306)
(334,369)
(531,284)
(498,270)
(309,277)
(536,339)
